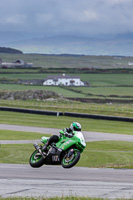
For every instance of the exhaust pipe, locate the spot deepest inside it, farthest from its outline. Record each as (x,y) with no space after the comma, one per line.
(37,147)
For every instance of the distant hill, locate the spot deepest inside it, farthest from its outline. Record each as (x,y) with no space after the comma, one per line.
(112,45)
(10,50)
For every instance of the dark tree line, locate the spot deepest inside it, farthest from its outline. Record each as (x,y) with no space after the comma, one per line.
(10,50)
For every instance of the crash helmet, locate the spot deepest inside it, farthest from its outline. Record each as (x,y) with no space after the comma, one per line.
(75,126)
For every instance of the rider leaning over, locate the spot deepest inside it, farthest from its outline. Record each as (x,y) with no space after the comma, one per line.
(68,132)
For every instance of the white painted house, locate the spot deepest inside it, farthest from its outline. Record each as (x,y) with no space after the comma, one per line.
(63,80)
(18,63)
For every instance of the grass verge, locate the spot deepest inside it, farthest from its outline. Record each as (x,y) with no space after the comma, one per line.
(108,154)
(61,122)
(124,110)
(19,135)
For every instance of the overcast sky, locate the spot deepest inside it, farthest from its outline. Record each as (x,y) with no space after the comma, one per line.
(75,17)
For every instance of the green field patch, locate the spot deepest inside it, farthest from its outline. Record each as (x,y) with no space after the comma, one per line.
(101,80)
(107,79)
(110,154)
(61,122)
(93,79)
(106,160)
(70,61)
(20,135)
(124,110)
(17,154)
(59,90)
(102,92)
(25,76)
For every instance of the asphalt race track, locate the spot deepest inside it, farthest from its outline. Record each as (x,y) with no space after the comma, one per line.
(50,181)
(89,136)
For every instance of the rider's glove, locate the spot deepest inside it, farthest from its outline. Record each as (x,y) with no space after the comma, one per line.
(66,134)
(68,130)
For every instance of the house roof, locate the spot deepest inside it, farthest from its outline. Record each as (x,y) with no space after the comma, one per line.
(19,61)
(56,77)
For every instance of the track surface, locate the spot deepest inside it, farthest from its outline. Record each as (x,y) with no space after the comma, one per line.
(89,136)
(49,181)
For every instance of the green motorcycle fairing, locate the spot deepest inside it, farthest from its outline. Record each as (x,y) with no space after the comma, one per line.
(44,139)
(65,143)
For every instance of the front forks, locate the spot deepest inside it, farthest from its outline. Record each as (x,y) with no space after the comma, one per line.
(70,152)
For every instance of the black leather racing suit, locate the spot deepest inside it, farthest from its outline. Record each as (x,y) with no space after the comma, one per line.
(55,138)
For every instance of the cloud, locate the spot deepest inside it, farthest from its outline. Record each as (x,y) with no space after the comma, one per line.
(80,16)
(43,18)
(88,15)
(113,2)
(13,19)
(67,17)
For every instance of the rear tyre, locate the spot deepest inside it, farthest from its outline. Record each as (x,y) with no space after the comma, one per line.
(36,159)
(68,162)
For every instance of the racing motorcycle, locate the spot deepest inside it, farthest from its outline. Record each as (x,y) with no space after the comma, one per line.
(65,152)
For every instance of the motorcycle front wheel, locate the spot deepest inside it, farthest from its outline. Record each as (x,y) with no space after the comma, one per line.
(36,159)
(68,162)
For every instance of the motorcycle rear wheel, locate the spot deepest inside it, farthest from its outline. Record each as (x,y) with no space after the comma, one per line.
(70,162)
(36,160)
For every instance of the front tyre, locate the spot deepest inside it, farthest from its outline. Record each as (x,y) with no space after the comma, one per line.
(68,162)
(36,159)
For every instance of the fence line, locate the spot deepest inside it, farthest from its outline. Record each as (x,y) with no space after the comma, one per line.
(68,114)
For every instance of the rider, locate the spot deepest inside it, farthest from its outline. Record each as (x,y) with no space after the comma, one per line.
(68,132)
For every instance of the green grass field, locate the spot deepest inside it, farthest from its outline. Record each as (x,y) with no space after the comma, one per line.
(111,93)
(104,82)
(62,122)
(106,154)
(14,87)
(20,135)
(123,110)
(47,61)
(93,79)
(106,87)
(102,92)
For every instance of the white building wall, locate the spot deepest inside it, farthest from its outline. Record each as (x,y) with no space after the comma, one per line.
(64,81)
(49,82)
